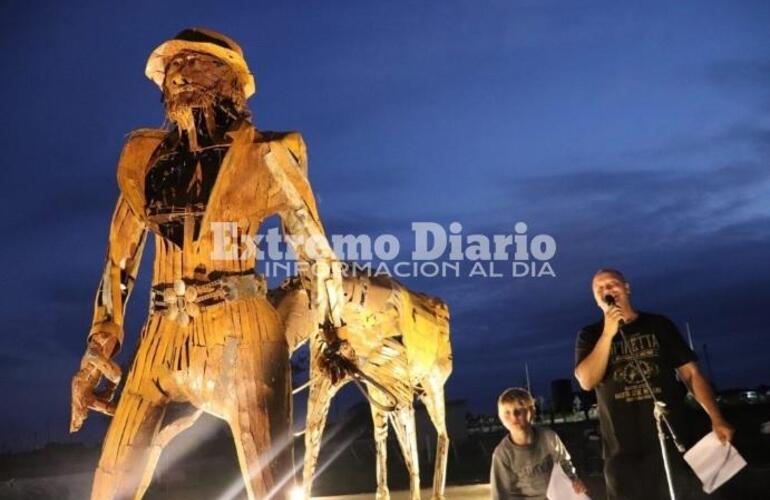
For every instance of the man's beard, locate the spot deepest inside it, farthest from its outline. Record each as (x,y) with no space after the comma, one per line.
(195,111)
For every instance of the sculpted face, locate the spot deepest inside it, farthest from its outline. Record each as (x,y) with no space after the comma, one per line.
(197,81)
(194,73)
(608,283)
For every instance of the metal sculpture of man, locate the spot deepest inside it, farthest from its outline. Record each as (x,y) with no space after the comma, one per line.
(211,338)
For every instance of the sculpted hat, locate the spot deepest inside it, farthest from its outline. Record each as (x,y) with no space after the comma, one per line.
(207,42)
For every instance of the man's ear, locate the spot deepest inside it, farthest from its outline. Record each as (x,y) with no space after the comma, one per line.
(628,289)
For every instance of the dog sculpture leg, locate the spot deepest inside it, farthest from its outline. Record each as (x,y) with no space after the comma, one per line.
(319,398)
(380,424)
(433,398)
(403,423)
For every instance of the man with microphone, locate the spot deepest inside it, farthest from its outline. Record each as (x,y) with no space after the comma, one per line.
(611,363)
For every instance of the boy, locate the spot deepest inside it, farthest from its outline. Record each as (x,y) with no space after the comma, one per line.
(522,462)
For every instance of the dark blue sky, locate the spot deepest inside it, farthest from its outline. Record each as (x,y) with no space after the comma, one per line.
(638,137)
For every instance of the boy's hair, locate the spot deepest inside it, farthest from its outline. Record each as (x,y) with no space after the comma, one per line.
(516,395)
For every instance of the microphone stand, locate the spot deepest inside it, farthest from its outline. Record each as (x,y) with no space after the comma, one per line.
(659,413)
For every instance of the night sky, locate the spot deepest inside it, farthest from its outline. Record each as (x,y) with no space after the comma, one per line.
(637,137)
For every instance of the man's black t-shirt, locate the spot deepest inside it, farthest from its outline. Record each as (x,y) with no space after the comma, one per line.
(625,405)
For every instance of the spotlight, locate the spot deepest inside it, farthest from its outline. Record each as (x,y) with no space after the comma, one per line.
(296,493)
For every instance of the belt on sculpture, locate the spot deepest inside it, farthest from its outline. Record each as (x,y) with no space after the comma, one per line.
(184,300)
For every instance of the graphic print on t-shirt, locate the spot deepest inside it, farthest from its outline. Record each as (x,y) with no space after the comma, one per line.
(646,348)
(542,468)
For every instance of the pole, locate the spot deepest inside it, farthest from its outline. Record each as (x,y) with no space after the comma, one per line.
(526,374)
(659,412)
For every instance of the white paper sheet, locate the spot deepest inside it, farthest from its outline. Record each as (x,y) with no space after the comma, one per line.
(560,486)
(713,462)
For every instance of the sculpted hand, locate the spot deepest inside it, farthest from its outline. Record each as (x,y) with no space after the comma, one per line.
(338,357)
(94,365)
(723,430)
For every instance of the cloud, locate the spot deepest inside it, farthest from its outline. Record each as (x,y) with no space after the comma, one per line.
(609,182)
(658,205)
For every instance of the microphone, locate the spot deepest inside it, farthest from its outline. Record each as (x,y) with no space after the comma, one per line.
(610,301)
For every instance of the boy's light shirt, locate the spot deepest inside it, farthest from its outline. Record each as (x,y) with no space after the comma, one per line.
(523,471)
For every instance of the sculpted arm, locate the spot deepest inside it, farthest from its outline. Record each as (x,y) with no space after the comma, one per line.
(321,272)
(124,252)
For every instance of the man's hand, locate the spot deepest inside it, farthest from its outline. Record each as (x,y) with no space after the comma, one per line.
(723,430)
(612,317)
(94,365)
(578,486)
